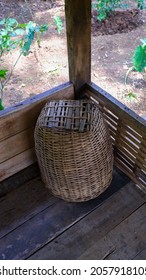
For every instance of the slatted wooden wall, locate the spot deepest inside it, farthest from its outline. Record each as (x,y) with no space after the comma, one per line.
(128,134)
(17,130)
(127,130)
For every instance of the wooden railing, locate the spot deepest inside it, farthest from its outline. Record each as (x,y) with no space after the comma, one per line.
(17,125)
(128,134)
(127,130)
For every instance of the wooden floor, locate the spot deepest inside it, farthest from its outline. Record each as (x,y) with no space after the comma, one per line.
(36,225)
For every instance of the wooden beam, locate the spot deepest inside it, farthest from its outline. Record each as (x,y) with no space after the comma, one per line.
(78,26)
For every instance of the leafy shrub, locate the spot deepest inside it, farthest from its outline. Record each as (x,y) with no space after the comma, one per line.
(14,35)
(141,4)
(105,7)
(138,59)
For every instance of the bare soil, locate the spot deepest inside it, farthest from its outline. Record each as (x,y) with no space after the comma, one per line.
(113,43)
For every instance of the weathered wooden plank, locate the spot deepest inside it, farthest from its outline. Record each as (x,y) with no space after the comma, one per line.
(133,133)
(120,164)
(121,157)
(119,109)
(124,241)
(138,161)
(112,133)
(17,163)
(78,25)
(135,152)
(125,131)
(39,230)
(110,114)
(24,115)
(111,126)
(123,128)
(17,144)
(131,161)
(130,133)
(141,255)
(17,129)
(18,179)
(110,120)
(51,222)
(135,148)
(86,233)
(22,204)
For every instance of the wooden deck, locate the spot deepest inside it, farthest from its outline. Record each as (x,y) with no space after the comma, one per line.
(36,225)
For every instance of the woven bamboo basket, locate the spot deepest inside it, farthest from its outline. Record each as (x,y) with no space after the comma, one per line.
(73,149)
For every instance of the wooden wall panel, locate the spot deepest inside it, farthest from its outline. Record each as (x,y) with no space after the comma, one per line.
(17,130)
(24,115)
(16,144)
(128,134)
(17,163)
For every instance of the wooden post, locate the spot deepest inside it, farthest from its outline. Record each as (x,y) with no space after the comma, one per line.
(78,26)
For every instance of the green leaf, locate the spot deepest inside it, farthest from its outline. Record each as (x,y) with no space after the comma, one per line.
(30,26)
(139,58)
(1,105)
(3,32)
(3,21)
(22,25)
(3,73)
(41,28)
(29,38)
(58,23)
(11,22)
(143,41)
(141,4)
(102,15)
(105,7)
(19,31)
(131,96)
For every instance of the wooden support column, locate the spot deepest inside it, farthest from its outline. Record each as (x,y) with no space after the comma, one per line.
(78,26)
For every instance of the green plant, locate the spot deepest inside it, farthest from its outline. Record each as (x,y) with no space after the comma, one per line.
(105,7)
(141,4)
(131,96)
(58,23)
(14,35)
(138,59)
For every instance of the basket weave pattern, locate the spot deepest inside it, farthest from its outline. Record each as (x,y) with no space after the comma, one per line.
(73,149)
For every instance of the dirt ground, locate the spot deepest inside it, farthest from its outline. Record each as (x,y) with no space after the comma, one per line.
(113,44)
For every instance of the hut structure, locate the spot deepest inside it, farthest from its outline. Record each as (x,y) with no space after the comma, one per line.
(34,224)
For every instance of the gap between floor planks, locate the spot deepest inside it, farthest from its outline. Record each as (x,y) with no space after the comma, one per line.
(74,242)
(30,217)
(125,241)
